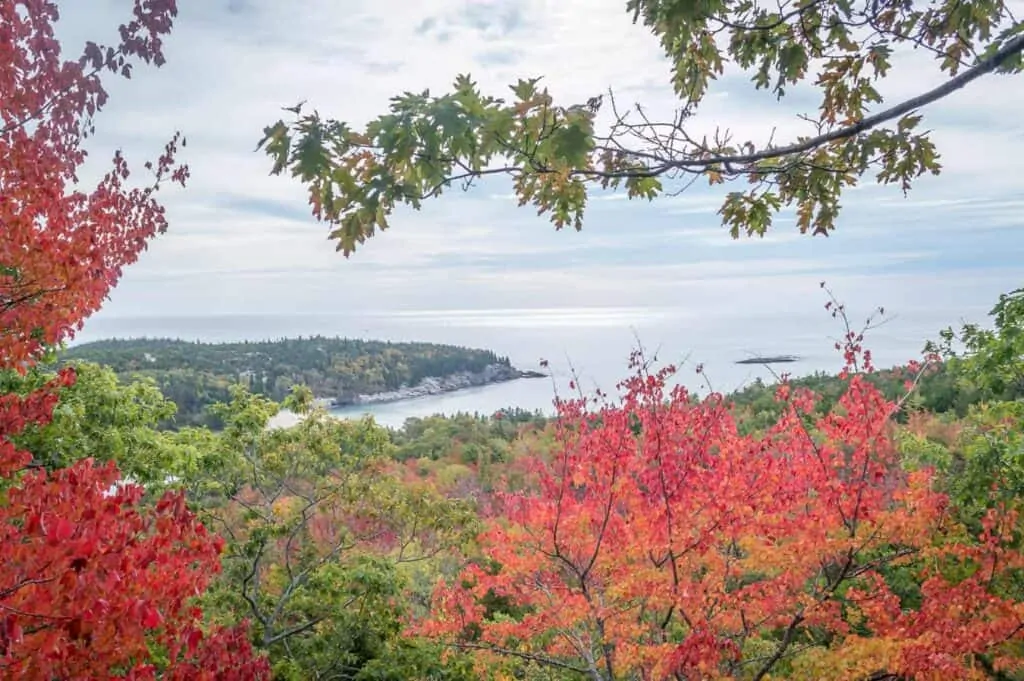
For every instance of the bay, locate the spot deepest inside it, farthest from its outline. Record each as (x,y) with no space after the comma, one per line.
(593,344)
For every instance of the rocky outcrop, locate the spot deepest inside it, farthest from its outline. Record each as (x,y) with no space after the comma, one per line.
(432,385)
(772,359)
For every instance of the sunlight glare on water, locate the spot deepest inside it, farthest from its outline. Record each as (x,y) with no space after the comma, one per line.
(593,343)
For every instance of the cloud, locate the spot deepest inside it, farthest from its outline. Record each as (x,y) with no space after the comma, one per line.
(242,242)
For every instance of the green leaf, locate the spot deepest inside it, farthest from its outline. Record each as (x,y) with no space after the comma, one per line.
(525,89)
(572,144)
(423,144)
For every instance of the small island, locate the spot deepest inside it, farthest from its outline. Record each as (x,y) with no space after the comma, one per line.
(341,372)
(769,359)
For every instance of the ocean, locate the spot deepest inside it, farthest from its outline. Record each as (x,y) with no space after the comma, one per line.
(592,343)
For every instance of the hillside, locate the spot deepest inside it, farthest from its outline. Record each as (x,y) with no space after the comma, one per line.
(338,370)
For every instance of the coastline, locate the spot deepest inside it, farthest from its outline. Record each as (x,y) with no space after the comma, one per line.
(436,385)
(429,387)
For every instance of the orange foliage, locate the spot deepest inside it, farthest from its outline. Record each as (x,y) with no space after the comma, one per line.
(932,427)
(662,544)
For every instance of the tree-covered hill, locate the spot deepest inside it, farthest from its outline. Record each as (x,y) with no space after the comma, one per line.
(195,374)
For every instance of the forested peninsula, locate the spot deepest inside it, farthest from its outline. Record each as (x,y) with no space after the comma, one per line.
(339,371)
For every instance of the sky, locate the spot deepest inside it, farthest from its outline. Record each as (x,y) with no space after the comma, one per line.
(243,242)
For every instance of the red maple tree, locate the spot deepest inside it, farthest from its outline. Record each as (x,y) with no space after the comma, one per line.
(63,248)
(94,585)
(661,543)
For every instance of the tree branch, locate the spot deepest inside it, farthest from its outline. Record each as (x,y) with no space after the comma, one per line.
(288,633)
(1010,49)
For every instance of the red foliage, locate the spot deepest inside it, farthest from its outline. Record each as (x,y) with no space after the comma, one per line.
(93,585)
(17,411)
(64,248)
(663,544)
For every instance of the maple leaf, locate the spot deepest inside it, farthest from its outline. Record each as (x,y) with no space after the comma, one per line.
(93,581)
(65,246)
(423,145)
(661,542)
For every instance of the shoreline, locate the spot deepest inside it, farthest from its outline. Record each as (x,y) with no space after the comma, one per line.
(287,419)
(435,385)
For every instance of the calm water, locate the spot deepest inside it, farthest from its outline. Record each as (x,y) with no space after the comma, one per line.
(595,343)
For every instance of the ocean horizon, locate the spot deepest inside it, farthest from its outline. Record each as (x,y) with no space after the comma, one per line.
(593,344)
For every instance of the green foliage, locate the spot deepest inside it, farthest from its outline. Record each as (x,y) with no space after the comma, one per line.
(938,391)
(101,417)
(477,437)
(196,375)
(981,467)
(322,537)
(337,531)
(990,360)
(988,469)
(557,153)
(361,537)
(406,659)
(984,465)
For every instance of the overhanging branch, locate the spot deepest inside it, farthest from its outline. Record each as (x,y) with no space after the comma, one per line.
(1009,50)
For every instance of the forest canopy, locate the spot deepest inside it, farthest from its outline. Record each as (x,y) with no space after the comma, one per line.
(861,527)
(195,375)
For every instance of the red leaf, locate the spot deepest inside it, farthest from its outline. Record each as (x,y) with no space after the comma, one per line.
(193,639)
(62,530)
(151,617)
(70,549)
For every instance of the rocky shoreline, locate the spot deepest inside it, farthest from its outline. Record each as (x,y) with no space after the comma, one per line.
(434,385)
(770,359)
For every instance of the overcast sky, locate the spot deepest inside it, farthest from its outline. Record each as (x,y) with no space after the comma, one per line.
(242,242)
